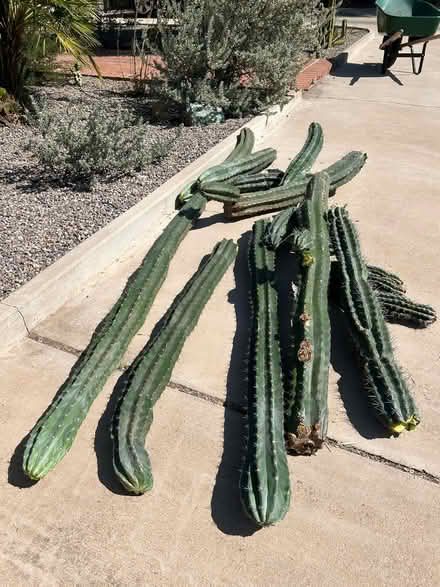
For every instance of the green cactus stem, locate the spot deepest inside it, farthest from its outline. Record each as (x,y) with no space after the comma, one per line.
(243,147)
(384,277)
(264,481)
(307,156)
(396,307)
(388,393)
(54,433)
(399,309)
(292,193)
(150,372)
(307,401)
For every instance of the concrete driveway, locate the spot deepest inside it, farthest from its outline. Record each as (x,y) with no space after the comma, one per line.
(365,510)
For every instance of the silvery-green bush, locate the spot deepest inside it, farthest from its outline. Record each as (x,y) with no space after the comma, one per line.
(241,56)
(98,144)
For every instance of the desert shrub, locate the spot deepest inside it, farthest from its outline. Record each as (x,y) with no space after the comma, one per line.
(241,56)
(9,108)
(97,144)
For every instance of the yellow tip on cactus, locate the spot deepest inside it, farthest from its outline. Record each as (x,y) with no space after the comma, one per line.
(308,258)
(409,424)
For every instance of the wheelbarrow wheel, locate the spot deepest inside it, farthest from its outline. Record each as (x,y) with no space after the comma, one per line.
(390,53)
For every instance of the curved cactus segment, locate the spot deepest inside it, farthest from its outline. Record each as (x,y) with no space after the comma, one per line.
(390,399)
(264,482)
(399,309)
(345,169)
(292,193)
(220,191)
(385,279)
(265,201)
(243,148)
(244,145)
(255,182)
(252,163)
(150,372)
(280,229)
(53,435)
(307,406)
(307,156)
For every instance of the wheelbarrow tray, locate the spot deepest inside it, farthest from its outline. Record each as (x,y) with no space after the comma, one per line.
(415,17)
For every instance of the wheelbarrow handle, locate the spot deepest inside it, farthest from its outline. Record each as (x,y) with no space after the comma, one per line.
(392,39)
(416,41)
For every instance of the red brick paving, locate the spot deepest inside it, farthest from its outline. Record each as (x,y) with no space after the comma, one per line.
(125,66)
(312,72)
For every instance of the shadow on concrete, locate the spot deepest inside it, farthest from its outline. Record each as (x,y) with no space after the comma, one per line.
(226,508)
(345,362)
(16,474)
(357,8)
(104,445)
(358,71)
(205,221)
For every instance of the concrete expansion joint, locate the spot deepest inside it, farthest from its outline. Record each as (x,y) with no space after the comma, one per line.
(421,473)
(236,407)
(55,344)
(19,311)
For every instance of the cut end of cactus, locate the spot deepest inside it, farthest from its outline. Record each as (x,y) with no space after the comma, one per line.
(136,488)
(409,424)
(306,441)
(33,477)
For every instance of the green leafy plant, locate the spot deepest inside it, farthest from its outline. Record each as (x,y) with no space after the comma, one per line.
(28,27)
(82,148)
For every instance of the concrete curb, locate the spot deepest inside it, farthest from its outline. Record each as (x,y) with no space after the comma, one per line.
(49,290)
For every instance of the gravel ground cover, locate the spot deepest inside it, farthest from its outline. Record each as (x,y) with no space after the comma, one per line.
(41,220)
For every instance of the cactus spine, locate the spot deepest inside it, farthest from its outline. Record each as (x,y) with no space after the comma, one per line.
(264,482)
(307,406)
(150,372)
(388,393)
(307,156)
(54,433)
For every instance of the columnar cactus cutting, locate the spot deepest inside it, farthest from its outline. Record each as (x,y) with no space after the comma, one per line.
(388,289)
(53,435)
(307,156)
(292,192)
(399,309)
(385,280)
(390,399)
(243,147)
(264,482)
(307,406)
(150,372)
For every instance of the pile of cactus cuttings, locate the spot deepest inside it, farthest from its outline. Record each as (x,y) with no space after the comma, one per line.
(287,391)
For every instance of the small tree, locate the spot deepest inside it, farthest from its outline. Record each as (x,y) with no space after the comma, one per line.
(26,26)
(241,56)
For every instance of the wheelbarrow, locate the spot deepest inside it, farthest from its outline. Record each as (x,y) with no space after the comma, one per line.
(415,19)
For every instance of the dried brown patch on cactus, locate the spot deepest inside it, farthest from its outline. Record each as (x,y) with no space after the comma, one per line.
(306,441)
(305,350)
